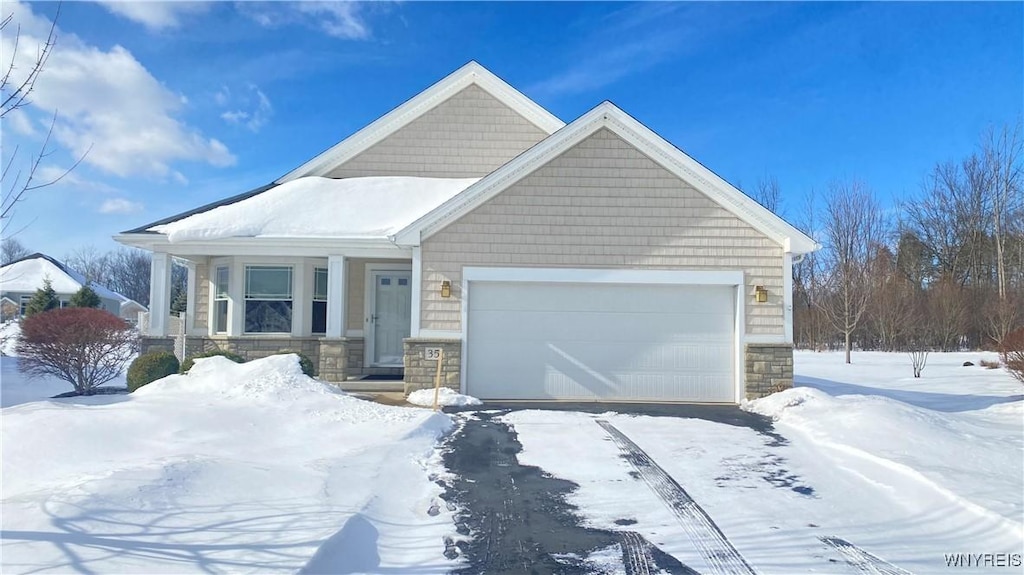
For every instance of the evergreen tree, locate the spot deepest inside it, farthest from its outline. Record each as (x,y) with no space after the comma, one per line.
(44,299)
(180,302)
(85,297)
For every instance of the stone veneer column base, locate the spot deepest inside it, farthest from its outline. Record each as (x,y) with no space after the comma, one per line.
(420,371)
(769,368)
(148,343)
(340,358)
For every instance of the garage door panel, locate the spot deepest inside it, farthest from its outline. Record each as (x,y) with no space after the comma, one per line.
(610,342)
(575,297)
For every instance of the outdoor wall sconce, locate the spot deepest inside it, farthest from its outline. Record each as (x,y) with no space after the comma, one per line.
(760,294)
(446,288)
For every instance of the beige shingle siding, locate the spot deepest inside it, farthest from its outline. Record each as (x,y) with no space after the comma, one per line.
(602,204)
(202,307)
(469,135)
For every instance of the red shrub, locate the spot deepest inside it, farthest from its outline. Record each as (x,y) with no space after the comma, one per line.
(1011,350)
(86,347)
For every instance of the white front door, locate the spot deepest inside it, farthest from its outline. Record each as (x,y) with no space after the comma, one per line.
(390,315)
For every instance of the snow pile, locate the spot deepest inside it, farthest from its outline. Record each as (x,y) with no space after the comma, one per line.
(369,207)
(234,466)
(445,396)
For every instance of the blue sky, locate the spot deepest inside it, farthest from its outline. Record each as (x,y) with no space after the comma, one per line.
(185,103)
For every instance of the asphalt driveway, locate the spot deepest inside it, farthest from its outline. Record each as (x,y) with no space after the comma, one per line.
(514,518)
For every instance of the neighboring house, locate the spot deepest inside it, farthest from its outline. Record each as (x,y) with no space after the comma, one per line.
(20,279)
(588,261)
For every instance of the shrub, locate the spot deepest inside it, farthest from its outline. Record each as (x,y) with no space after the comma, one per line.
(85,297)
(150,367)
(307,364)
(190,360)
(1011,349)
(85,347)
(44,299)
(989,364)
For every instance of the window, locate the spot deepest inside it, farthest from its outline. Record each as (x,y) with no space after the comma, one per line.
(268,299)
(319,300)
(220,300)
(23,301)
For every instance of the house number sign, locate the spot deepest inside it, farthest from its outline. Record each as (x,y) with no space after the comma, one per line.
(432,353)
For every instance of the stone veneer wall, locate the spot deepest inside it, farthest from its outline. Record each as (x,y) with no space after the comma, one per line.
(769,368)
(420,372)
(148,344)
(335,359)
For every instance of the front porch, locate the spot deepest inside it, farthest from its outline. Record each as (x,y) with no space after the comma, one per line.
(348,313)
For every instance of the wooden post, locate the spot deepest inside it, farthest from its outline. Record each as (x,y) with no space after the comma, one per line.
(437,377)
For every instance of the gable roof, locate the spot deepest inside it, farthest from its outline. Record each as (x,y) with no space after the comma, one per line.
(205,208)
(607,115)
(27,274)
(471,73)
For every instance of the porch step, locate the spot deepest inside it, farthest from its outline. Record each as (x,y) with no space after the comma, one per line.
(372,386)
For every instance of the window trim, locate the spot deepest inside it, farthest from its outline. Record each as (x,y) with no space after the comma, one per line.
(246,298)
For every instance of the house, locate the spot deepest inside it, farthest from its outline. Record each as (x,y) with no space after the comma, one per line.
(588,261)
(20,279)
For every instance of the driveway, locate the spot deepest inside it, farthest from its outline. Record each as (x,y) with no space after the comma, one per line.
(656,488)
(516,518)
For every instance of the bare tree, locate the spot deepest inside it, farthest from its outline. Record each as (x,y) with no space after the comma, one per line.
(853,227)
(91,263)
(768,194)
(16,86)
(129,274)
(11,249)
(1002,153)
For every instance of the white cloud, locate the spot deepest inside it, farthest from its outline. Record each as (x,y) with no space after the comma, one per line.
(109,105)
(256,101)
(339,19)
(154,15)
(119,206)
(19,121)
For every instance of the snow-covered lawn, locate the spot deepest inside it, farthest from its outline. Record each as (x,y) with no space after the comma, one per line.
(232,468)
(909,470)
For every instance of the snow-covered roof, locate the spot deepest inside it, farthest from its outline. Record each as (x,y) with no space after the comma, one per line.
(28,273)
(313,206)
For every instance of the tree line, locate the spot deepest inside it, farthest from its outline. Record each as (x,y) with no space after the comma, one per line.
(943,270)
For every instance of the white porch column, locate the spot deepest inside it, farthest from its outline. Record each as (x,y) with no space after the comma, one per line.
(787,295)
(159,294)
(337,295)
(417,292)
(191,295)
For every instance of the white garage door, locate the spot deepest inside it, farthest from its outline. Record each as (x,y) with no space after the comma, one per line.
(586,341)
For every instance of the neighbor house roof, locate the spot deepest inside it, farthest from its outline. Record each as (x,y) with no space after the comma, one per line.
(607,115)
(27,275)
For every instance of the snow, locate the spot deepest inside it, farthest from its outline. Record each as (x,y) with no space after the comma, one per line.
(233,467)
(445,396)
(16,388)
(907,469)
(28,275)
(368,207)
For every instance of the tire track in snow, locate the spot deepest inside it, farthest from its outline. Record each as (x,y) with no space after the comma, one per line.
(718,552)
(862,560)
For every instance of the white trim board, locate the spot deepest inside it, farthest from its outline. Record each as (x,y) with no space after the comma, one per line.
(471,73)
(607,115)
